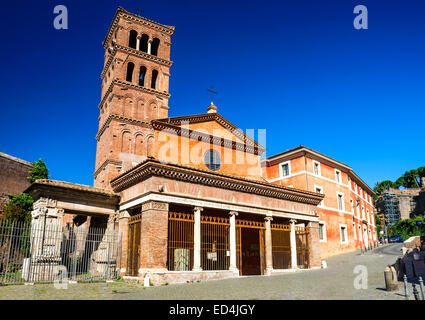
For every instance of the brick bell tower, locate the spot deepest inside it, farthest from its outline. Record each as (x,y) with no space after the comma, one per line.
(135,81)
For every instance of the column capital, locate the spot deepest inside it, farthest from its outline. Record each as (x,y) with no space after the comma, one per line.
(292,221)
(233,213)
(123,215)
(150,40)
(198,209)
(139,36)
(268,218)
(155,205)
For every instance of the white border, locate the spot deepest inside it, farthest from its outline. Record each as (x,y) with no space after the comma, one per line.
(320,169)
(340,176)
(346,234)
(281,169)
(325,236)
(337,203)
(322,203)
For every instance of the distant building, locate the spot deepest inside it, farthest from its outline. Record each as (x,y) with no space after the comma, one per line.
(396,205)
(13,177)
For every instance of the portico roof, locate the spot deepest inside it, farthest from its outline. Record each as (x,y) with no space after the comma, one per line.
(153,167)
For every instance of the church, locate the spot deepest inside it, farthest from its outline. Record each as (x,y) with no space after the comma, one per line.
(186,194)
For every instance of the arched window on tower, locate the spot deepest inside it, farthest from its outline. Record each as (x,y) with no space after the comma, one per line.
(132,41)
(130,68)
(155,46)
(144,43)
(154,77)
(142,75)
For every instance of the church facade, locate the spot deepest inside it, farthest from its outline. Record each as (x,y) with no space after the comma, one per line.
(186,194)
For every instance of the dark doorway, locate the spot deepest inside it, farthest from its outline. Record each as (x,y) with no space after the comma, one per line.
(250,251)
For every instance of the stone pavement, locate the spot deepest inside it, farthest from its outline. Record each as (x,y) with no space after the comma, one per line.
(335,282)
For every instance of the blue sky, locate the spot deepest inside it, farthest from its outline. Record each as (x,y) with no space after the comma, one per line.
(296,68)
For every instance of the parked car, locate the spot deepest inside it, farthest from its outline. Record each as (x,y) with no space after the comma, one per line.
(395,238)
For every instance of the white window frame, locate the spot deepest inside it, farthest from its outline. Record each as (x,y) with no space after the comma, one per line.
(352,206)
(336,176)
(358,210)
(354,231)
(363,213)
(325,238)
(360,232)
(342,201)
(281,168)
(322,203)
(319,172)
(370,234)
(367,215)
(345,233)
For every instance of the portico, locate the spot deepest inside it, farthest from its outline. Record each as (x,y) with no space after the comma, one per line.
(197,231)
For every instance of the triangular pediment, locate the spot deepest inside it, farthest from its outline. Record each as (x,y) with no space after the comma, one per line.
(212,124)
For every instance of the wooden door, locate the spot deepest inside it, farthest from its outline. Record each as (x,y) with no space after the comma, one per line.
(133,252)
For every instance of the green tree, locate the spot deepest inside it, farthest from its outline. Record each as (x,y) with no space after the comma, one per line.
(38,171)
(19,208)
(408,228)
(381,187)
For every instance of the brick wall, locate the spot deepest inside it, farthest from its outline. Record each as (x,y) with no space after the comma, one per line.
(13,174)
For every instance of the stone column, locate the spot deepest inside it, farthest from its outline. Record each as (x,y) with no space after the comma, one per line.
(123,236)
(138,42)
(197,240)
(154,237)
(149,45)
(46,240)
(314,259)
(268,246)
(293,241)
(232,235)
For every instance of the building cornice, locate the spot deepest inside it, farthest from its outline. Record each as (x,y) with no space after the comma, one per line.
(141,123)
(133,52)
(104,164)
(122,13)
(12,158)
(126,84)
(152,167)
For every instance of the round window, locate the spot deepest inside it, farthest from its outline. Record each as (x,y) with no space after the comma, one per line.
(212,160)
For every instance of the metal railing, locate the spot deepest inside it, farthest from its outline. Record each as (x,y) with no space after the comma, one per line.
(43,252)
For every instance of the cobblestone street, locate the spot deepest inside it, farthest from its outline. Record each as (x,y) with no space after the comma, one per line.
(335,282)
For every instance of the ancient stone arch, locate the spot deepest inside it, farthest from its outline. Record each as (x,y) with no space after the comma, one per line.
(139,108)
(128,105)
(139,144)
(150,145)
(126,141)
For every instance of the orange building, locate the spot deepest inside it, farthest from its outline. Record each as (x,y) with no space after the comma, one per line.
(346,213)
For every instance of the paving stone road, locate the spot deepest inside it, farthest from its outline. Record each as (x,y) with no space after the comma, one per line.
(335,282)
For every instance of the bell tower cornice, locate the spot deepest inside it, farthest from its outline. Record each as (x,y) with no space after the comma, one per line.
(127,85)
(121,12)
(135,53)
